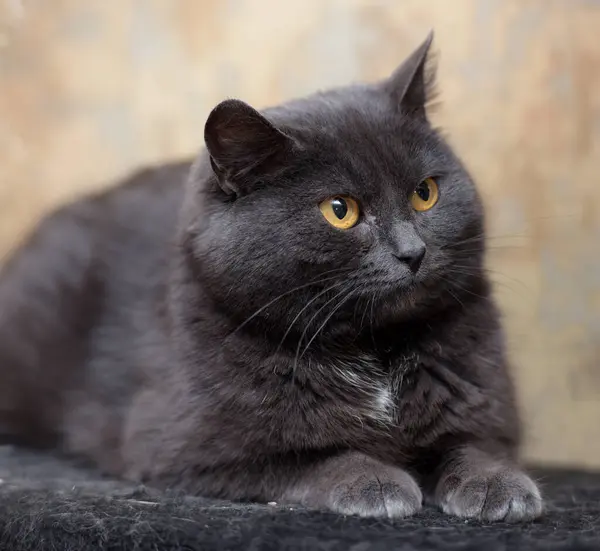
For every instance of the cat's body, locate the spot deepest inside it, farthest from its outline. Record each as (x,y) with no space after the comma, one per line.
(207,328)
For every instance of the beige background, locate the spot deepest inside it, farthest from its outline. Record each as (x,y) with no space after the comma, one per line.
(89,89)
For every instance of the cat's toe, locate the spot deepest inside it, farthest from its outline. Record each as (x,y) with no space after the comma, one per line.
(506,495)
(392,495)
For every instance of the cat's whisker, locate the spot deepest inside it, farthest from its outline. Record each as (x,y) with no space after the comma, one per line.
(364,285)
(355,311)
(462,288)
(362,319)
(462,273)
(488,248)
(482,237)
(304,308)
(295,289)
(467,253)
(470,271)
(491,272)
(374,297)
(329,316)
(455,297)
(364,303)
(308,324)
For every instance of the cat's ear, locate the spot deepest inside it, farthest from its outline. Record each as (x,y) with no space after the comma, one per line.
(410,85)
(242,143)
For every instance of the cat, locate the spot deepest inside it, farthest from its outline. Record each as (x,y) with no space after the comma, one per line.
(300,315)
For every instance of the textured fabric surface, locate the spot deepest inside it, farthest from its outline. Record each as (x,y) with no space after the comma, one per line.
(46,503)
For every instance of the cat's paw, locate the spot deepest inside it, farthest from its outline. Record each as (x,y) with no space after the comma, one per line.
(355,484)
(505,495)
(386,492)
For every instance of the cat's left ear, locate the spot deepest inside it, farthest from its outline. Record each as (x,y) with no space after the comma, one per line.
(410,84)
(243,145)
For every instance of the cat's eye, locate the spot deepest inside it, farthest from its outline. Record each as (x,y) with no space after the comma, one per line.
(425,196)
(340,212)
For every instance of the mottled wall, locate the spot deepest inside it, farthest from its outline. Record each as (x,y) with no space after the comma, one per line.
(91,88)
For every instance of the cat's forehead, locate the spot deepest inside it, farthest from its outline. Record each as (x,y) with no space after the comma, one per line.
(357,116)
(356,109)
(358,130)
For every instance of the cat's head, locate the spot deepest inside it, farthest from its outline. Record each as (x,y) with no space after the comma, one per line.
(333,204)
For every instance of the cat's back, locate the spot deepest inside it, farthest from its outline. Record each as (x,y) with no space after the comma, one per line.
(71,293)
(131,230)
(120,233)
(117,240)
(140,210)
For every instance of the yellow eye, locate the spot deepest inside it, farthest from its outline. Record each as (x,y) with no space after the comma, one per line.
(425,196)
(340,212)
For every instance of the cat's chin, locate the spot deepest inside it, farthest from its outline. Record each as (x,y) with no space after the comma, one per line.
(402,287)
(398,301)
(392,300)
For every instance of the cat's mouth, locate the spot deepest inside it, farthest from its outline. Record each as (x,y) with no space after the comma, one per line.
(372,286)
(382,289)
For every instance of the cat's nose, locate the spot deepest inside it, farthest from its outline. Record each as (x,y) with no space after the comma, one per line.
(407,246)
(412,256)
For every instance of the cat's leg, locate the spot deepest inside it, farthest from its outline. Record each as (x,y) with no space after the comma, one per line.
(473,483)
(355,484)
(350,483)
(169,443)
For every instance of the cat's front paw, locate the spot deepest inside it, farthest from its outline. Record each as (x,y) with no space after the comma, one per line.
(508,495)
(387,492)
(355,484)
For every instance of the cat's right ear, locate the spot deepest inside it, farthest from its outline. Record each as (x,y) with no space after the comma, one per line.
(242,144)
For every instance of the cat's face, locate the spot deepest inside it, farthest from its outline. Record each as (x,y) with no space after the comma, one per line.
(342,201)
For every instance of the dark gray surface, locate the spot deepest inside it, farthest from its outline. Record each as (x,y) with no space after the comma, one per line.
(47,503)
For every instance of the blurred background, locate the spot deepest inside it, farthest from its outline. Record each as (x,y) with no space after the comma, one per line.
(92,89)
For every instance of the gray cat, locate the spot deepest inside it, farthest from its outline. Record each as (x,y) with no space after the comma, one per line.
(301,315)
